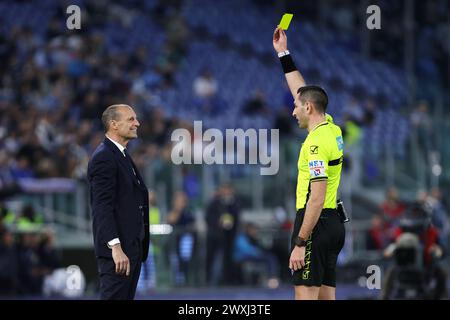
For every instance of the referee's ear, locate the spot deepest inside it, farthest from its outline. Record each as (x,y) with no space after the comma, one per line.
(309,107)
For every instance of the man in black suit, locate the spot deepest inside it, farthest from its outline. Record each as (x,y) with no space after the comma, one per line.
(119,201)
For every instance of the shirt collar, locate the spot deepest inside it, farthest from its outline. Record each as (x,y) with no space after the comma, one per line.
(320,124)
(118,145)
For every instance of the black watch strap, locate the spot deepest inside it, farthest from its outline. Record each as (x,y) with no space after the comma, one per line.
(299,242)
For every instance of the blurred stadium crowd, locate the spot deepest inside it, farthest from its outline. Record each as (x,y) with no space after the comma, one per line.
(178,61)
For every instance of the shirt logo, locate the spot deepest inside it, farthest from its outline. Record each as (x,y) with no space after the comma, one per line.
(314,149)
(340,142)
(317,168)
(315,163)
(317,172)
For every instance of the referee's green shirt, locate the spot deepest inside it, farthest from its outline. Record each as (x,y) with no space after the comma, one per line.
(320,158)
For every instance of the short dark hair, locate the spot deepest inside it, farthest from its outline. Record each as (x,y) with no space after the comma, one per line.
(316,95)
(110,114)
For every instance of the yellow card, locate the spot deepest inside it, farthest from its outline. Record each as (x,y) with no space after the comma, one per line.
(286,20)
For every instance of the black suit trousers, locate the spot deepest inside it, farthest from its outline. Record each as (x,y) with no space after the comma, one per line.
(120,287)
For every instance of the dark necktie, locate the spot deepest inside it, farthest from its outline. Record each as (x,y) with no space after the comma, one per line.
(130,162)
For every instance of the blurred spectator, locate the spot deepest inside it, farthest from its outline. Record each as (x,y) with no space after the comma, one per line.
(417,220)
(392,207)
(284,123)
(147,279)
(180,216)
(222,220)
(256,105)
(167,62)
(178,33)
(377,237)
(48,255)
(205,89)
(354,111)
(420,255)
(281,230)
(91,109)
(369,113)
(33,151)
(8,183)
(28,219)
(439,216)
(249,250)
(31,273)
(422,128)
(343,18)
(159,128)
(21,168)
(154,212)
(3,213)
(5,216)
(184,234)
(351,132)
(9,278)
(191,183)
(384,224)
(205,85)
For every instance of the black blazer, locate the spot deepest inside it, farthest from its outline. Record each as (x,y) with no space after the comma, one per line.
(115,195)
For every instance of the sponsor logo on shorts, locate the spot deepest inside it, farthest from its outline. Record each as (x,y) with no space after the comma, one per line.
(305,274)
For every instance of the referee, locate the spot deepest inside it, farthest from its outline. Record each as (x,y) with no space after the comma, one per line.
(318,234)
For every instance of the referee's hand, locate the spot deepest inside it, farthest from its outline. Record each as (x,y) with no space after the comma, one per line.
(279,40)
(297,259)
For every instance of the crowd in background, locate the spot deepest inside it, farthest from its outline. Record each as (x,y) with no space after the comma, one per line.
(386,222)
(414,237)
(27,252)
(55,85)
(430,26)
(232,252)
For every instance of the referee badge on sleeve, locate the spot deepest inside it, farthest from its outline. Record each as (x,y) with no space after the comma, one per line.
(340,142)
(317,168)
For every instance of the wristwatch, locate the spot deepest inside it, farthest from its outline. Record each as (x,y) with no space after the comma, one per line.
(283,53)
(300,242)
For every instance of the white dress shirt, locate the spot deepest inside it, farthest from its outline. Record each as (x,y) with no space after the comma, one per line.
(118,145)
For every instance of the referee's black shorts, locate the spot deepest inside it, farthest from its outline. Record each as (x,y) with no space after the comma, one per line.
(322,249)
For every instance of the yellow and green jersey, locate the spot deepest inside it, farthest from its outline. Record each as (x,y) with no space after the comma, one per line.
(320,158)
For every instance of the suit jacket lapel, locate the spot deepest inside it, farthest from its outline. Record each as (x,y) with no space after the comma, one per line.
(123,161)
(138,175)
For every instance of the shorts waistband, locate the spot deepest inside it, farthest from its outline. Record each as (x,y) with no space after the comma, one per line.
(324,211)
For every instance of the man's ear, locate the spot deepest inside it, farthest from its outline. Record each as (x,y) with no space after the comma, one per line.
(309,107)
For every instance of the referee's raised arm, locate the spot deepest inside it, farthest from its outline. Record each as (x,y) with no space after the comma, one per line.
(293,77)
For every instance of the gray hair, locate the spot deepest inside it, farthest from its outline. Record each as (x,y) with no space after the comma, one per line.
(111,113)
